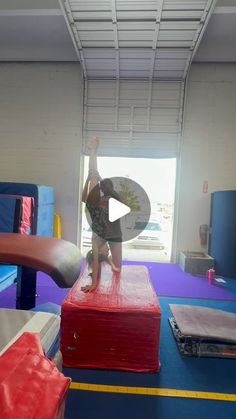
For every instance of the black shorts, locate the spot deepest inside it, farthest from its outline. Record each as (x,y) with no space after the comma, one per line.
(114,240)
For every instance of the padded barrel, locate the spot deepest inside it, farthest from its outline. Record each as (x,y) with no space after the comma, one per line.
(58,258)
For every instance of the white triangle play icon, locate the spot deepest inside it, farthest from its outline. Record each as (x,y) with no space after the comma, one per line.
(117,210)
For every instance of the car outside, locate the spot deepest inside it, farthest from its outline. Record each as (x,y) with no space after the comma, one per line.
(150,236)
(87,237)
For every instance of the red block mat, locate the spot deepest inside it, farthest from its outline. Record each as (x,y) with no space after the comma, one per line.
(115,327)
(30,384)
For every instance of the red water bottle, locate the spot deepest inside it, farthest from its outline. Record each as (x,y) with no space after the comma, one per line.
(211,276)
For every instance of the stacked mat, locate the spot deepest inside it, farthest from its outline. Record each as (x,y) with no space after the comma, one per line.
(203,331)
(43,196)
(25,208)
(15,217)
(15,214)
(115,327)
(15,322)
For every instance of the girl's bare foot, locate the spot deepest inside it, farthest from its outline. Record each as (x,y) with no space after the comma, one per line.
(114,268)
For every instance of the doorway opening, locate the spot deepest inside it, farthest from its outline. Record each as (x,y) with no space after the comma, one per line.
(157,177)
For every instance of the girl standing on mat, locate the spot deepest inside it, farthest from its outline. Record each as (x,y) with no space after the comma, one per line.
(106,235)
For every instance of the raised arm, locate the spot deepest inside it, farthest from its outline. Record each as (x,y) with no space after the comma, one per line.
(93,192)
(85,190)
(93,175)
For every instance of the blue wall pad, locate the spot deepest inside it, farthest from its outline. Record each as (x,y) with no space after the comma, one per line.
(223,237)
(15,214)
(9,215)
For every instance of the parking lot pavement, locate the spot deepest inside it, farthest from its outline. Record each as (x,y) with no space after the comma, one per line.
(139,254)
(145,255)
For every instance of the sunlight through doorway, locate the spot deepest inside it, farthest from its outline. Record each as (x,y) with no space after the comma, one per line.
(157,178)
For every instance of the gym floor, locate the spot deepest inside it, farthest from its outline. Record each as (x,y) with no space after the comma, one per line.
(184,387)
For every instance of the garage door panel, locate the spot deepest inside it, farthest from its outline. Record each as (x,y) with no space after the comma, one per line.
(167,28)
(139,116)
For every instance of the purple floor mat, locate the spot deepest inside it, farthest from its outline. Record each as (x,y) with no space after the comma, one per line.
(168,281)
(47,291)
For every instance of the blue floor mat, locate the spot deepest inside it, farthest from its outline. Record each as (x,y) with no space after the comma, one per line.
(87,405)
(200,374)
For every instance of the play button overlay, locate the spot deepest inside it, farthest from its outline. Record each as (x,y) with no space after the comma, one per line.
(118,209)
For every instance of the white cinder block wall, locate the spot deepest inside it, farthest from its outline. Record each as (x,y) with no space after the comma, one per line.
(41,109)
(209,146)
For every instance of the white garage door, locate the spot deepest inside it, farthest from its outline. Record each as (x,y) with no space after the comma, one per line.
(134,118)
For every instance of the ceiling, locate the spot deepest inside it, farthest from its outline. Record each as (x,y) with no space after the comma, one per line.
(147,39)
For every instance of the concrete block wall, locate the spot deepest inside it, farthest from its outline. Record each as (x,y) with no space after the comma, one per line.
(41,112)
(209,147)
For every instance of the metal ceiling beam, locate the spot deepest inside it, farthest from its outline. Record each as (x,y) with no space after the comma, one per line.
(118,26)
(70,23)
(153,59)
(199,33)
(116,39)
(156,36)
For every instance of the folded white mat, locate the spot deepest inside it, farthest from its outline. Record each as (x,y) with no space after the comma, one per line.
(15,322)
